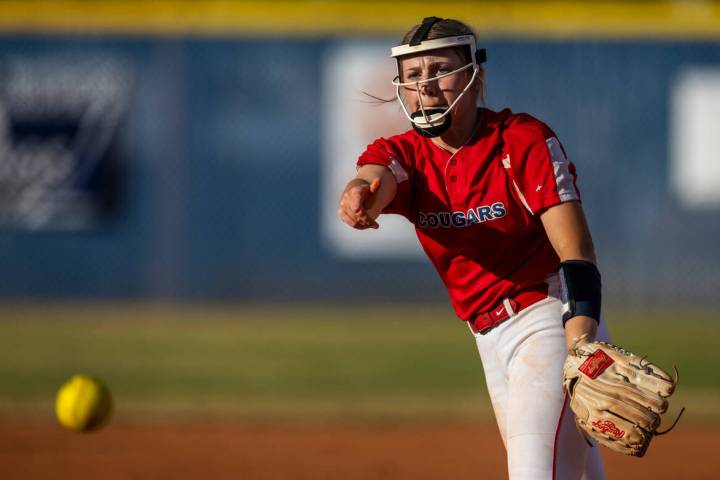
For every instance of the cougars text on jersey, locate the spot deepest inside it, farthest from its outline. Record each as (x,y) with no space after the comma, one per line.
(472,216)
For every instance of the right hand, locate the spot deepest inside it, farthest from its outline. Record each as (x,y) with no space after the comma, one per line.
(355,201)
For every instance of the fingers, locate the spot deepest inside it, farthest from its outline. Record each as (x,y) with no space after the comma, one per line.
(359,224)
(375,185)
(355,198)
(352,209)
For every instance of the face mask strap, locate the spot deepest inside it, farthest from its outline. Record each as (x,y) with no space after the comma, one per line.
(423,30)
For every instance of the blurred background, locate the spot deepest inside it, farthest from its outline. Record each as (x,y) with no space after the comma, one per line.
(168,179)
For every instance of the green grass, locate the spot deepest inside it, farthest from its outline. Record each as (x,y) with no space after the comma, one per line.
(296,362)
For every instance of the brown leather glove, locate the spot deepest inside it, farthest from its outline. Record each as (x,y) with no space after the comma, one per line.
(617,397)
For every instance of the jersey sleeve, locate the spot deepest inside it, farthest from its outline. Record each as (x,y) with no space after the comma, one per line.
(542,174)
(391,155)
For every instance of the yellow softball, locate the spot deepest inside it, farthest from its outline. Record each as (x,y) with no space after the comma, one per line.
(83,404)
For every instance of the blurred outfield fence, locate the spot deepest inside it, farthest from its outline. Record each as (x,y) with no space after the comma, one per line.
(194,150)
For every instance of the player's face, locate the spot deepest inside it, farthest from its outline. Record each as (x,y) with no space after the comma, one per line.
(443,91)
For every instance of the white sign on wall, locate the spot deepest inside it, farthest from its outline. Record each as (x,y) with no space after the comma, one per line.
(351,121)
(695,137)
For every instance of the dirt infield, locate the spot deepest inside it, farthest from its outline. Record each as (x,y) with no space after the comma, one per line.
(309,452)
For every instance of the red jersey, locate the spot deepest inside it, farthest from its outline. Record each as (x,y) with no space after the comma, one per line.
(476,211)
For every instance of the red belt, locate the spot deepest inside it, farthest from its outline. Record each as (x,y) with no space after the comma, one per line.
(484,322)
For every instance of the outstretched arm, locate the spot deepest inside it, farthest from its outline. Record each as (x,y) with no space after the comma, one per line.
(366,195)
(567,229)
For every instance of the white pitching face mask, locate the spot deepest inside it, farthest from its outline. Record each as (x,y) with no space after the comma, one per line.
(434,121)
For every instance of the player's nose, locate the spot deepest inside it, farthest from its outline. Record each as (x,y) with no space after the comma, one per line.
(429,88)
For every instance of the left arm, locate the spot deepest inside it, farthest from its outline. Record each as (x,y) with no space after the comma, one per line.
(568,232)
(631,404)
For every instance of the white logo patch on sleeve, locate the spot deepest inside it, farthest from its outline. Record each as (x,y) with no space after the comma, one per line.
(397,170)
(561,167)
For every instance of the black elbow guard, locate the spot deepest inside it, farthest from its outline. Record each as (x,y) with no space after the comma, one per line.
(581,290)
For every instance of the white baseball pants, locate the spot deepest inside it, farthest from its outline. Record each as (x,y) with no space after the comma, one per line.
(523,359)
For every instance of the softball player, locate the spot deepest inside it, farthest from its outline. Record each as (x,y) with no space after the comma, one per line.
(496,208)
